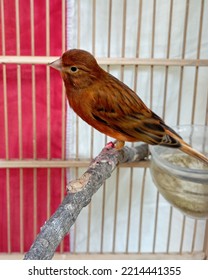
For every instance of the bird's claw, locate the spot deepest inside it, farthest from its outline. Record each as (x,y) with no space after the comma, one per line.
(116,144)
(119,144)
(110,145)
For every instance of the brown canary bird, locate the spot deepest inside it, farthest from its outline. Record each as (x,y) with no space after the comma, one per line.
(112,107)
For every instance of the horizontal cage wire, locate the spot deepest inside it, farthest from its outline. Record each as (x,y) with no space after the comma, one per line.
(159,49)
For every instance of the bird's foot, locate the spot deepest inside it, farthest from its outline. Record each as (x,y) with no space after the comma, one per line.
(119,144)
(110,145)
(116,144)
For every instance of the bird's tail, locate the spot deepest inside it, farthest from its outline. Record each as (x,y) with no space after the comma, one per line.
(192,152)
(176,141)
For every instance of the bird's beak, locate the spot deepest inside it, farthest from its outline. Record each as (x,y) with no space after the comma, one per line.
(57,64)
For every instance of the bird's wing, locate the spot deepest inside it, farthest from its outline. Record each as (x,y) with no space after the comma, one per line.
(119,108)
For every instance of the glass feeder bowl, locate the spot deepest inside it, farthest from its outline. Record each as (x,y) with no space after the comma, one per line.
(181,179)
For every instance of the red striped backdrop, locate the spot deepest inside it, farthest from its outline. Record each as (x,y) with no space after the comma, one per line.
(20,221)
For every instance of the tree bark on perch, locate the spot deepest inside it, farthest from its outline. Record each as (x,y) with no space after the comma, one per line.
(79,195)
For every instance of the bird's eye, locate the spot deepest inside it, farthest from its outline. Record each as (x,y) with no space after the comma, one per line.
(73,69)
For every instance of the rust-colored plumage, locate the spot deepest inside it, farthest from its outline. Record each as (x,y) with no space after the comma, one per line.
(112,107)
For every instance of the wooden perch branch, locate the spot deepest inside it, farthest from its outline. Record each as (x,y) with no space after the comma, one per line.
(79,195)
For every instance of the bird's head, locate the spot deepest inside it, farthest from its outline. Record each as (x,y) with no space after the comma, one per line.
(78,68)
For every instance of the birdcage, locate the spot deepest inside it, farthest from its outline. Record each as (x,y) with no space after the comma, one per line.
(158,48)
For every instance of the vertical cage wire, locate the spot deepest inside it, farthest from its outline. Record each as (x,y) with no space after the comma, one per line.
(32,23)
(6,131)
(179,99)
(206,240)
(141,210)
(19,100)
(182,56)
(63,134)
(197,57)
(115,211)
(48,102)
